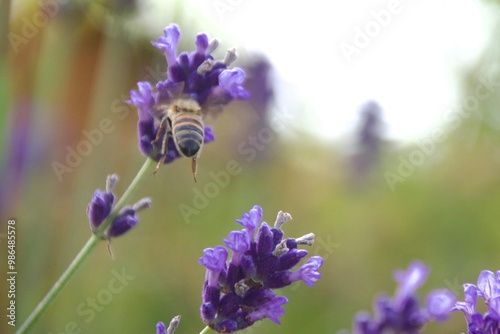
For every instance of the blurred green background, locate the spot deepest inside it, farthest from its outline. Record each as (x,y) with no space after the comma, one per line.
(77,69)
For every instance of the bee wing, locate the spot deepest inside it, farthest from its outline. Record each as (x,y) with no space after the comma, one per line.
(160,110)
(214,103)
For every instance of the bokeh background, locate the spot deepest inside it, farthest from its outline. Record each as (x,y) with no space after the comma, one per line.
(375,201)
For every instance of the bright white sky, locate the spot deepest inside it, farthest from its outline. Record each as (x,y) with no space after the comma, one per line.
(411,67)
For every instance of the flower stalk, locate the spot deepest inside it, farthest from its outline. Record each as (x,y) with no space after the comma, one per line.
(83,254)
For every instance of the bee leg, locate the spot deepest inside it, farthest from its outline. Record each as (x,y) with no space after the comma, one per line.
(163,151)
(193,169)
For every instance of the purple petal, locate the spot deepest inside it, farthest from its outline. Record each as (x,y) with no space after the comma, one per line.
(440,303)
(265,245)
(168,44)
(160,328)
(271,310)
(468,306)
(251,220)
(309,271)
(494,308)
(209,135)
(238,242)
(232,81)
(123,223)
(214,259)
(143,100)
(100,207)
(488,285)
(410,280)
(201,43)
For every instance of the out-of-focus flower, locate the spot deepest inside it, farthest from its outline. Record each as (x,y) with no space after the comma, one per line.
(196,76)
(488,288)
(402,313)
(239,292)
(368,142)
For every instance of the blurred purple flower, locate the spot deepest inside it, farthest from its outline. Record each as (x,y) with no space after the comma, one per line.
(403,314)
(238,293)
(368,142)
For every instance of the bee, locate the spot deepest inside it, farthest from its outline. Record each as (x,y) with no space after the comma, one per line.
(183,120)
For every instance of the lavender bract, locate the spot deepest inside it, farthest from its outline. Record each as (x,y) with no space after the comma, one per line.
(488,288)
(196,75)
(239,292)
(402,313)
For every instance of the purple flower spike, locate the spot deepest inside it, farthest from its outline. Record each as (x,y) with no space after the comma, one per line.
(403,313)
(241,292)
(100,207)
(196,82)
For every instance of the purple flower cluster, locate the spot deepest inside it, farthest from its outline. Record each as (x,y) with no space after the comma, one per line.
(488,288)
(402,313)
(238,293)
(101,205)
(197,76)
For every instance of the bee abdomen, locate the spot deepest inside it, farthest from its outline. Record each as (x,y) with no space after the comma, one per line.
(188,135)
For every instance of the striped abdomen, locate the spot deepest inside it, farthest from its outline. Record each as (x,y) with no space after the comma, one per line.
(188,133)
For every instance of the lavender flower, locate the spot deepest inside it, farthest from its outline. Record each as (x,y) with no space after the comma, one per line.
(101,205)
(195,76)
(239,292)
(402,313)
(488,288)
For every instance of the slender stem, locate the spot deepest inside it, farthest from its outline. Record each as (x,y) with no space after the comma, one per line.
(60,284)
(205,330)
(82,255)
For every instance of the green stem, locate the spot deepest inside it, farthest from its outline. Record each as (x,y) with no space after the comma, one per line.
(82,255)
(205,330)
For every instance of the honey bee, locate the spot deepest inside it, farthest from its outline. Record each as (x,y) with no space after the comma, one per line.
(183,120)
